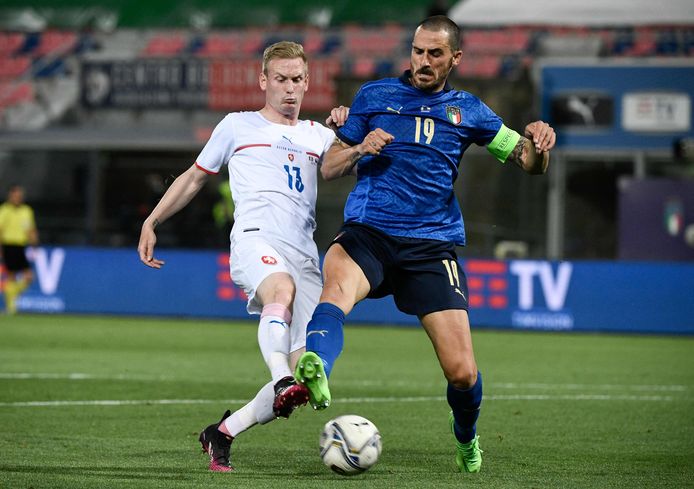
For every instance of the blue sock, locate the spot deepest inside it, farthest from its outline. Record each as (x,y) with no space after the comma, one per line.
(466,409)
(324,335)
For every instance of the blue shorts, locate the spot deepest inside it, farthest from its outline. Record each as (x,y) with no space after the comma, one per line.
(423,275)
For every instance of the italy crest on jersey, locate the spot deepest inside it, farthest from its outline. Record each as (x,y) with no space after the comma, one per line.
(454,115)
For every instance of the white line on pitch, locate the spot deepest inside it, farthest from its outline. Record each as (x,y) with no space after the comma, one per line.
(348,400)
(491,385)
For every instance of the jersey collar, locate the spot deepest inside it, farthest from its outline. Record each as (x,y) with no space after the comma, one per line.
(405,79)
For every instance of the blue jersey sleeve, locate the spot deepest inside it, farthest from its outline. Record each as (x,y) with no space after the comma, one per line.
(357,125)
(486,124)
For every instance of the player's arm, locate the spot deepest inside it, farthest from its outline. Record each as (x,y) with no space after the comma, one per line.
(33,233)
(33,236)
(341,159)
(178,195)
(530,151)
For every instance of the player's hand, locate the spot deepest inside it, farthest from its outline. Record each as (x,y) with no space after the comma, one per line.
(542,135)
(337,118)
(146,247)
(374,142)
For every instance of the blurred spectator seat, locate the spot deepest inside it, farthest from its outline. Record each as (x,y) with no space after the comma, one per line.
(363,67)
(252,41)
(385,41)
(165,44)
(331,44)
(220,45)
(13,93)
(480,67)
(31,41)
(55,42)
(14,67)
(496,41)
(667,43)
(313,41)
(10,42)
(644,43)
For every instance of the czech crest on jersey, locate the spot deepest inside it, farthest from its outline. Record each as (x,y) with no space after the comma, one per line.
(454,115)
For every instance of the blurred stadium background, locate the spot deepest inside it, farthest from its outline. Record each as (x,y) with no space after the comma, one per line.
(102,104)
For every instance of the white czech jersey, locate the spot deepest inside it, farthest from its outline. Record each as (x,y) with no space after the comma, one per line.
(272,174)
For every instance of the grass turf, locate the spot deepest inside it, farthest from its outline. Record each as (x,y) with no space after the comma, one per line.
(560,410)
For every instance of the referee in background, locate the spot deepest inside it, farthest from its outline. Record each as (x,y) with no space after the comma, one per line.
(17,230)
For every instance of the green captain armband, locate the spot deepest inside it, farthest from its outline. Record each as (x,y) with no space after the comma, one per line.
(503,143)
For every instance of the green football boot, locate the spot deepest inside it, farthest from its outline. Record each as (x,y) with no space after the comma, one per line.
(468,455)
(310,372)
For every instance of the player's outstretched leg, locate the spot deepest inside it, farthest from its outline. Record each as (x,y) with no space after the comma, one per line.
(468,456)
(218,446)
(311,373)
(288,396)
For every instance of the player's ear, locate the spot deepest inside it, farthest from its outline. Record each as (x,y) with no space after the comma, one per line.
(306,84)
(262,81)
(457,56)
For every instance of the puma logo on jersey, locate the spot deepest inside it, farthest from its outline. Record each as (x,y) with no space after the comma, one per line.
(321,332)
(285,137)
(457,290)
(394,110)
(281,323)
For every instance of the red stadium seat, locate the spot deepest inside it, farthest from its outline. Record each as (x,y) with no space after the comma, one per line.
(221,45)
(10,42)
(165,44)
(12,93)
(55,42)
(313,41)
(14,67)
(364,67)
(480,67)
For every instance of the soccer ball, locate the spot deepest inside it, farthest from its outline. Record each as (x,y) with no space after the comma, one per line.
(350,444)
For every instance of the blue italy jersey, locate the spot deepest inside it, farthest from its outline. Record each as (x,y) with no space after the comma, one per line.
(407,190)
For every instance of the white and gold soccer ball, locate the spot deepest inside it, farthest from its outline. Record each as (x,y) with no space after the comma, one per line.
(350,444)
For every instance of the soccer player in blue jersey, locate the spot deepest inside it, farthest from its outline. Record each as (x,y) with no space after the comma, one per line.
(404,139)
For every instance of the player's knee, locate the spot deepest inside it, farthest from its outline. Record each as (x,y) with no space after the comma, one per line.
(463,376)
(335,293)
(279,289)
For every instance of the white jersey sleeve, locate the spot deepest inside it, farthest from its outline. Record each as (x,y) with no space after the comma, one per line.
(219,148)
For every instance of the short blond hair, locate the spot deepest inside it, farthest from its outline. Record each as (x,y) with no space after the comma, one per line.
(284,50)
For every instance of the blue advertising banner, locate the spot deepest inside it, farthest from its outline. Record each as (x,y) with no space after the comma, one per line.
(618,105)
(519,294)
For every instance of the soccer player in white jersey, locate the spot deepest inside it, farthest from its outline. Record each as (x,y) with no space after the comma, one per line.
(272,158)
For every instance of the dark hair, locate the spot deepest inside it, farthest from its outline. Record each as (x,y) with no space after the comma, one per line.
(443,23)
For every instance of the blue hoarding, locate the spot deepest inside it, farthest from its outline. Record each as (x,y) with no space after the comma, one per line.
(618,106)
(520,294)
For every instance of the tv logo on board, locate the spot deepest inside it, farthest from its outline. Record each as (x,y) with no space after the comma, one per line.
(553,288)
(48,267)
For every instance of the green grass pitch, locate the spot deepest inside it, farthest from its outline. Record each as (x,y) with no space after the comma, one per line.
(103,402)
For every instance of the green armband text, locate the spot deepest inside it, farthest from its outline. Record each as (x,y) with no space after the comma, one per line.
(503,143)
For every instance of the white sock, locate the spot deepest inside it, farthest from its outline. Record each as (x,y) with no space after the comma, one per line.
(274,339)
(259,410)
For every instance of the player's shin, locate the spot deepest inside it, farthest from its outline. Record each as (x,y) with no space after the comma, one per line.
(324,335)
(274,339)
(257,411)
(465,405)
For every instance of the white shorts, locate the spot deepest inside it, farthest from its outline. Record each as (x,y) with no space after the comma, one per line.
(253,259)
